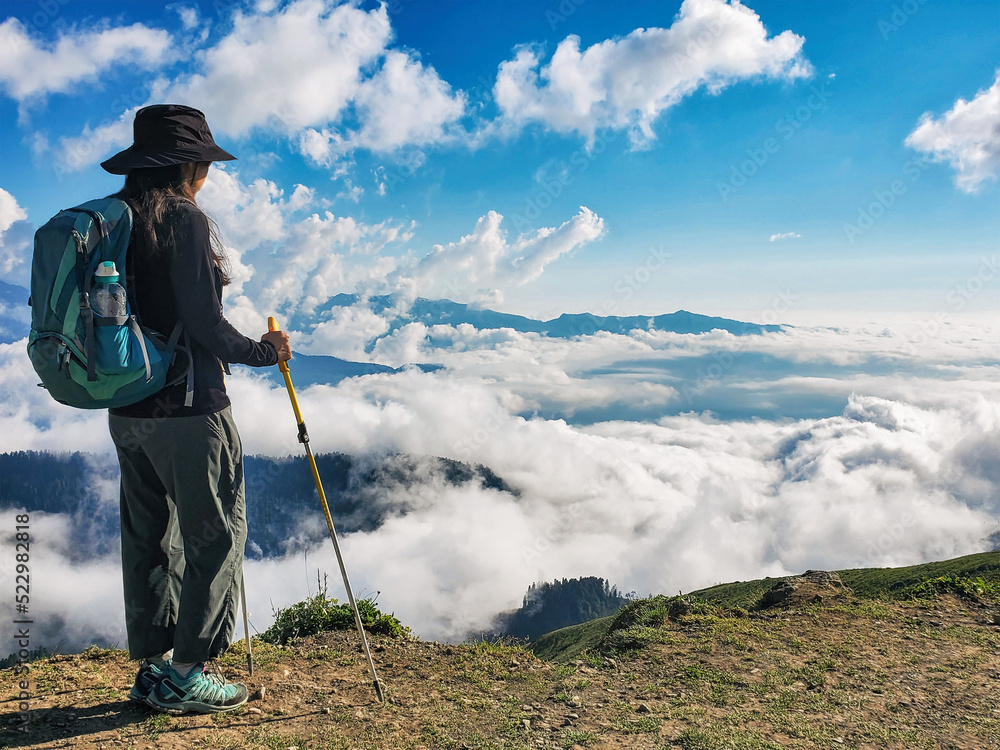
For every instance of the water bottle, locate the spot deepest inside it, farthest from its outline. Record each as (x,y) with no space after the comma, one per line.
(107,296)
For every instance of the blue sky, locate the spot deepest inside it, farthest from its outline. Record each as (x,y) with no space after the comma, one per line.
(658,142)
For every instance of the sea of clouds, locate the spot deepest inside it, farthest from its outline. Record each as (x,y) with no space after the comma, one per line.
(863,445)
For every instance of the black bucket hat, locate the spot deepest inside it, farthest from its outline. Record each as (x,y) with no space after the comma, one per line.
(166,134)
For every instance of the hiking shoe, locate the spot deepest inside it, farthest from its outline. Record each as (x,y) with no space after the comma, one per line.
(200,692)
(149,674)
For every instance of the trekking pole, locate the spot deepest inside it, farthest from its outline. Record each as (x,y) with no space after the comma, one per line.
(246,626)
(272,325)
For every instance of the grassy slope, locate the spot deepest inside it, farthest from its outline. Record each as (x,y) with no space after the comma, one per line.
(846,671)
(566,644)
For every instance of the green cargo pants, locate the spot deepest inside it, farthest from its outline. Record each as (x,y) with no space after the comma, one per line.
(183,518)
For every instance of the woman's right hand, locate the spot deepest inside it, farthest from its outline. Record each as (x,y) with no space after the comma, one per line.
(279,340)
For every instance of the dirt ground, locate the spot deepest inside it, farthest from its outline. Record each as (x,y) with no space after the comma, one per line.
(839,673)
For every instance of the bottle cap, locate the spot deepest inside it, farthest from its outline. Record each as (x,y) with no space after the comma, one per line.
(107,273)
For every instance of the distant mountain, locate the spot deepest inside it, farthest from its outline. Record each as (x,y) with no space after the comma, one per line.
(15,318)
(567,325)
(13,295)
(445,312)
(550,606)
(310,369)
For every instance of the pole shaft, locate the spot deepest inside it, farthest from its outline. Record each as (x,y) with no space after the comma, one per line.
(246,625)
(304,439)
(343,573)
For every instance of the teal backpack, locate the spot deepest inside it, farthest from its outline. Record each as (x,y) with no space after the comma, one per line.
(84,359)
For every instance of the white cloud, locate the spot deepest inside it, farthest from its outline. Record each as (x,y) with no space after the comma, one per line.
(15,240)
(784,236)
(289,265)
(678,504)
(482,262)
(318,72)
(39,143)
(627,83)
(302,258)
(967,137)
(190,18)
(101,612)
(344,333)
(321,146)
(405,104)
(645,374)
(287,69)
(325,76)
(313,265)
(351,192)
(302,196)
(10,211)
(29,69)
(248,214)
(93,144)
(28,411)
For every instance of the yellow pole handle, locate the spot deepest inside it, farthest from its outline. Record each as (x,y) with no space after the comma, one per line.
(272,325)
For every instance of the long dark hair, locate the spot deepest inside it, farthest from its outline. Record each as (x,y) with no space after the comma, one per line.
(151,192)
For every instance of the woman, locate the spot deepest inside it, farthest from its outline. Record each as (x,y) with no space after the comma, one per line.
(183,512)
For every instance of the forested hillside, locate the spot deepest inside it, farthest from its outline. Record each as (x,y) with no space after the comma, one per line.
(283,511)
(550,606)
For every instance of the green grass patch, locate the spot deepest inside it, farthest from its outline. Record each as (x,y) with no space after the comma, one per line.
(724,739)
(866,583)
(974,589)
(156,725)
(878,582)
(567,644)
(639,725)
(573,737)
(320,613)
(648,621)
(266,656)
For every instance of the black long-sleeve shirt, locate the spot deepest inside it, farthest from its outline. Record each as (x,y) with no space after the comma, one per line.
(182,282)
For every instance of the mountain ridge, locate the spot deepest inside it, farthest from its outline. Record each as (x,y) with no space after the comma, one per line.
(567,325)
(430,312)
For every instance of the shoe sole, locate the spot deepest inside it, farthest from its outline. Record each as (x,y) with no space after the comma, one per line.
(184,707)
